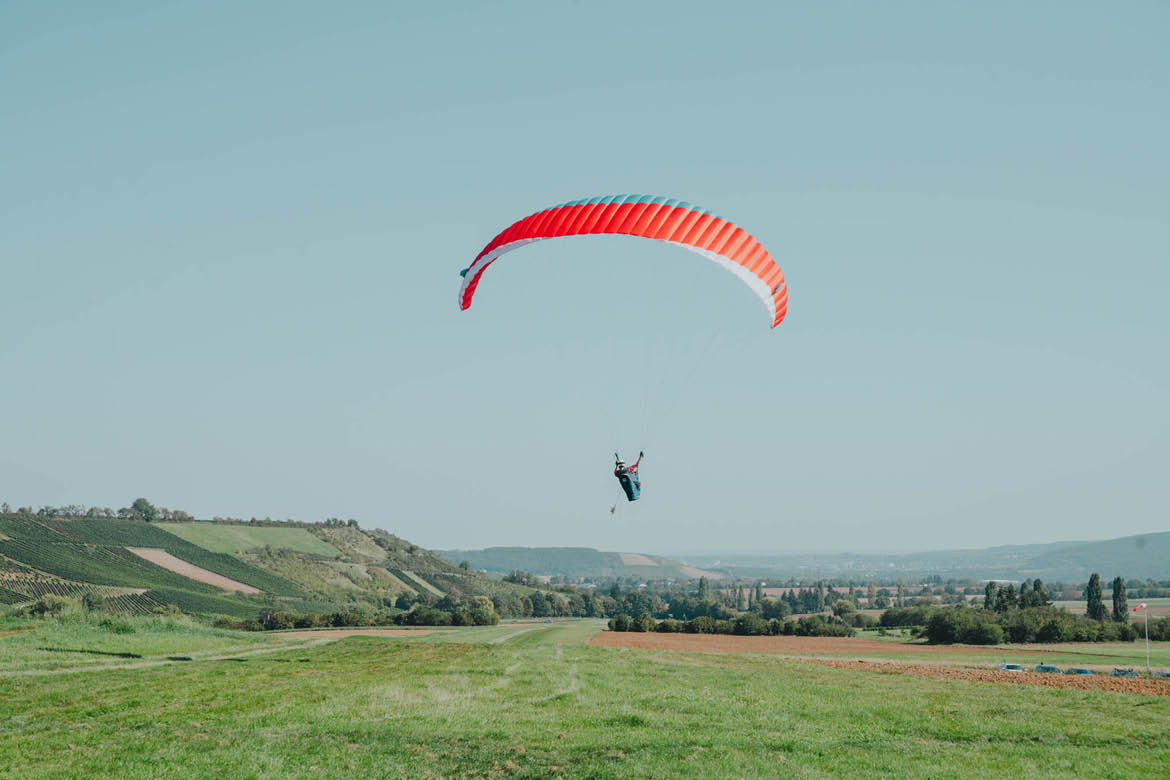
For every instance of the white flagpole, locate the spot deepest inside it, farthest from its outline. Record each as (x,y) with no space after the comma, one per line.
(1146,619)
(1146,615)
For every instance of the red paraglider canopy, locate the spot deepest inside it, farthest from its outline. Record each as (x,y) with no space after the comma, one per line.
(662,219)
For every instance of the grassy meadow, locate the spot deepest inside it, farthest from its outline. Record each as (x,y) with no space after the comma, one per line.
(525,700)
(235,539)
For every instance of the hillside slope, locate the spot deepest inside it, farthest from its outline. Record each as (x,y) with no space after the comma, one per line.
(226,568)
(1144,556)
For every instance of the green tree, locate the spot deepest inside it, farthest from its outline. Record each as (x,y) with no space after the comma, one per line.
(989,595)
(1037,596)
(1096,607)
(704,589)
(1005,599)
(1120,604)
(144,510)
(93,601)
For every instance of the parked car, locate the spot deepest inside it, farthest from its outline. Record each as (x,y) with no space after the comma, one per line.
(1046,669)
(1078,670)
(1123,673)
(1162,675)
(1011,668)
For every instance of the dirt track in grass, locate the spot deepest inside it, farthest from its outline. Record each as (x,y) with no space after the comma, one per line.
(781,645)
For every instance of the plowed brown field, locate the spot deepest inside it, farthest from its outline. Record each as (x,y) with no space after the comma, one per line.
(191,571)
(782,645)
(1140,687)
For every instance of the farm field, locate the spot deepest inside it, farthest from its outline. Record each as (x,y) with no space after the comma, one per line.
(533,700)
(1100,656)
(1157,607)
(235,539)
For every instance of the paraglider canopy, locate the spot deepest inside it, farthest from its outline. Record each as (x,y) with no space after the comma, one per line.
(646,216)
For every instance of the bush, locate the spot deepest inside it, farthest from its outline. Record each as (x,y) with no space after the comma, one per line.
(669,626)
(816,626)
(700,625)
(1022,626)
(643,624)
(858,620)
(620,623)
(749,625)
(277,621)
(906,616)
(117,625)
(1159,630)
(93,601)
(962,624)
(48,604)
(484,616)
(1056,630)
(423,616)
(982,633)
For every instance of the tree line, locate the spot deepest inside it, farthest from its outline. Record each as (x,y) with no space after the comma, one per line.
(1021,615)
(748,624)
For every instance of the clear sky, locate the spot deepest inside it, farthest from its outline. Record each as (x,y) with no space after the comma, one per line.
(230,237)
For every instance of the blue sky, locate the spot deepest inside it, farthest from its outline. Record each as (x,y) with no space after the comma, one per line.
(230,237)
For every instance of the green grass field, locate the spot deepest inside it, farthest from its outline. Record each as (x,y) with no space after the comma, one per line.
(530,700)
(235,539)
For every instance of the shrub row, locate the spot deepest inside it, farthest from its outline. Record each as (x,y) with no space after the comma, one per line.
(947,625)
(742,625)
(420,615)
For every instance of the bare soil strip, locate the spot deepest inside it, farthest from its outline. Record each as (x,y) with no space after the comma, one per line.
(780,645)
(1140,687)
(190,571)
(637,559)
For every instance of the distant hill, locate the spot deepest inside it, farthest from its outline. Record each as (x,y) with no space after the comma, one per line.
(1145,556)
(226,568)
(576,562)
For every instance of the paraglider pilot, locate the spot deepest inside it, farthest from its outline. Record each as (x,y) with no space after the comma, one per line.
(628,476)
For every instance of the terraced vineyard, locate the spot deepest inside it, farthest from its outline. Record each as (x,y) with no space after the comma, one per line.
(416,582)
(133,604)
(93,550)
(296,568)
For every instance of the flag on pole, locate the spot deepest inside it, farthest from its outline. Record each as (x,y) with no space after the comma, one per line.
(1140,606)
